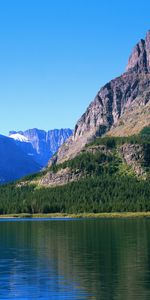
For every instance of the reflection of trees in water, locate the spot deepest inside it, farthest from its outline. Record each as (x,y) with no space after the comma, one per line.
(108,258)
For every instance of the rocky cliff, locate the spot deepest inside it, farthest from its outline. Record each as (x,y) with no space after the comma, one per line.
(140,57)
(39,144)
(122,96)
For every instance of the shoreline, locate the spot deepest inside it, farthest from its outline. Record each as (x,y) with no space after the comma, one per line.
(77,216)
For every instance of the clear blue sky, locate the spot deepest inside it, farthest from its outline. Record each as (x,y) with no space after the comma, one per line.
(56,54)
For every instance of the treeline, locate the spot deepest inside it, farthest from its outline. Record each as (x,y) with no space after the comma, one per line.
(94,194)
(112,142)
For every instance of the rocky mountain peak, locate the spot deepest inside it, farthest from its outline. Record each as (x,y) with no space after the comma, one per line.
(39,144)
(139,60)
(115,98)
(126,97)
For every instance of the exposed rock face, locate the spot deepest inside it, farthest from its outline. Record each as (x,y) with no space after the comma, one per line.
(133,155)
(112,101)
(132,121)
(118,97)
(42,145)
(62,177)
(140,57)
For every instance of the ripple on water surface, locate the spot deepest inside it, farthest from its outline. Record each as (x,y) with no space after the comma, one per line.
(77,259)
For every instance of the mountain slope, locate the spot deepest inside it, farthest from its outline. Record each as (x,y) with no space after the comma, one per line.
(14,163)
(111,174)
(132,121)
(103,155)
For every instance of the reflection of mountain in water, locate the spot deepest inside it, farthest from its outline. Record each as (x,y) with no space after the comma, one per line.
(101,259)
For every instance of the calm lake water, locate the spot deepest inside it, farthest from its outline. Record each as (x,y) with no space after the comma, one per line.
(75,259)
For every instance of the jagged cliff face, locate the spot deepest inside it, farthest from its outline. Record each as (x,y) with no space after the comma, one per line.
(129,92)
(140,57)
(39,144)
(112,101)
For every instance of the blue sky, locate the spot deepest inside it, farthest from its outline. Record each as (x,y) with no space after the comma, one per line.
(56,54)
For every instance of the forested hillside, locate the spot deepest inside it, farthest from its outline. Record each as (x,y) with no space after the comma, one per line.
(107,182)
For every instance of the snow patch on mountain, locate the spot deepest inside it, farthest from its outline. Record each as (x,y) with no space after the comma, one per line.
(19,137)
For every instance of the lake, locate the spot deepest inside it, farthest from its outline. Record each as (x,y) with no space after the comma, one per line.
(75,259)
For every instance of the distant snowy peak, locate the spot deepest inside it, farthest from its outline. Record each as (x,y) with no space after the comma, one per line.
(19,137)
(39,143)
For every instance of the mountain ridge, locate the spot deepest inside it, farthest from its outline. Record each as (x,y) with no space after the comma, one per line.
(41,144)
(113,100)
(19,157)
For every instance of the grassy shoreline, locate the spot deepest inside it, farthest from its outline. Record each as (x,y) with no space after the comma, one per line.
(79,215)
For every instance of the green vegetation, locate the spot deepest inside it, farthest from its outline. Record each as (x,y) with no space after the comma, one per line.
(145,131)
(94,194)
(112,142)
(91,164)
(107,185)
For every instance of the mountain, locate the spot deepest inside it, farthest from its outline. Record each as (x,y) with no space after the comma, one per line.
(39,144)
(105,165)
(25,153)
(126,97)
(110,174)
(14,163)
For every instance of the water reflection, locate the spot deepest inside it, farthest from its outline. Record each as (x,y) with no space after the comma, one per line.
(76,259)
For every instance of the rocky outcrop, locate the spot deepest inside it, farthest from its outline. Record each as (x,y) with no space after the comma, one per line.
(96,148)
(133,156)
(61,177)
(116,99)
